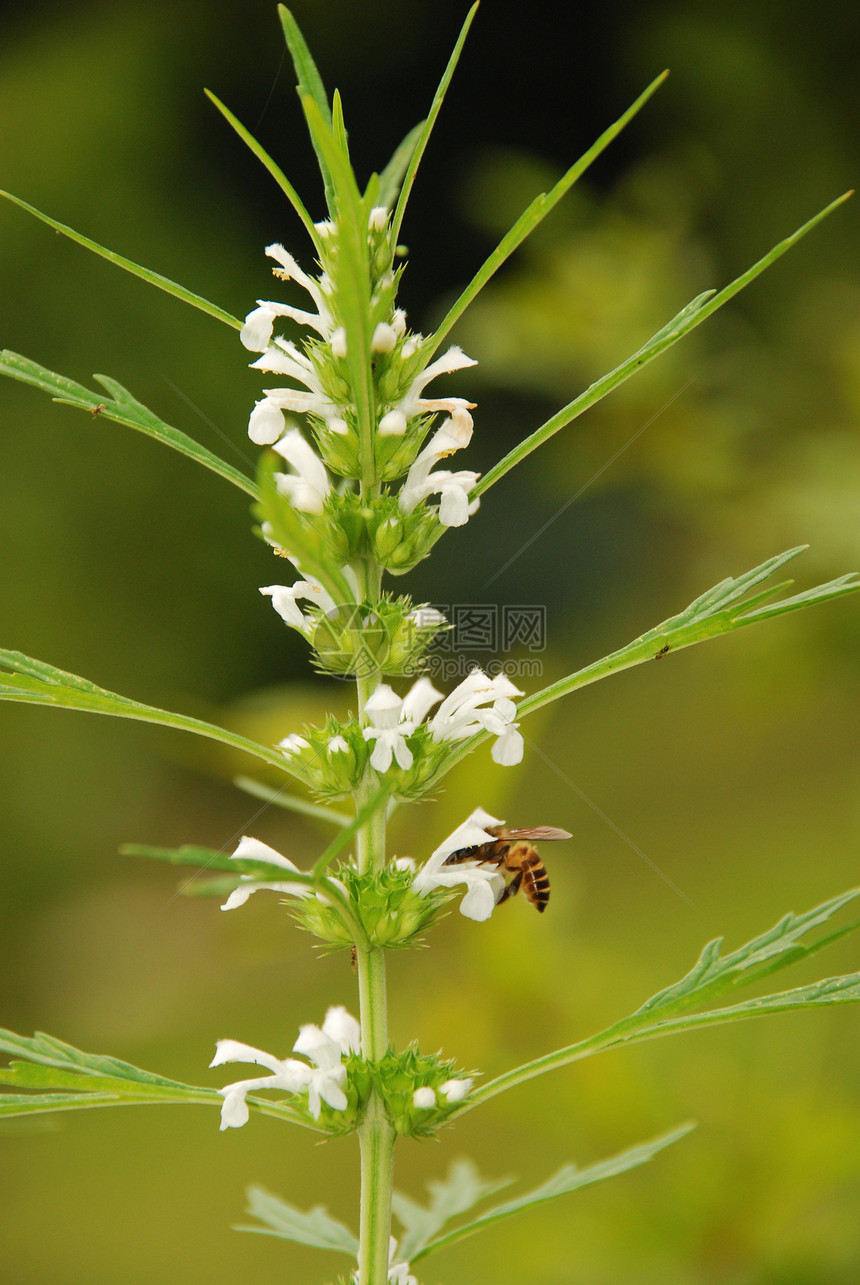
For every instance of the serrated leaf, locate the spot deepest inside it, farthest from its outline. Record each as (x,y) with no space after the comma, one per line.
(712,974)
(37,683)
(122,408)
(719,611)
(567,1179)
(146,274)
(458,1192)
(99,1080)
(685,321)
(314,1227)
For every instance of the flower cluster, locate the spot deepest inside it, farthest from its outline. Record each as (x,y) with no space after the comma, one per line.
(323,1081)
(320,368)
(478,704)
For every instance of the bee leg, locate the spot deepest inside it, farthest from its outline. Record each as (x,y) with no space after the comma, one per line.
(511,889)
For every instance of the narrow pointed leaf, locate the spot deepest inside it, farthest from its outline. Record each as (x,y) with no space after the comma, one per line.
(146,274)
(529,220)
(569,1178)
(275,170)
(292,802)
(209,859)
(392,176)
(33,681)
(314,1227)
(427,127)
(353,278)
(686,320)
(121,408)
(309,82)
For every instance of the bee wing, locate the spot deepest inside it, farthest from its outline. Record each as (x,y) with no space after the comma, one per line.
(538,833)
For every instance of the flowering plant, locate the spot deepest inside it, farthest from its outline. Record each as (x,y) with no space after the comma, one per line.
(353,485)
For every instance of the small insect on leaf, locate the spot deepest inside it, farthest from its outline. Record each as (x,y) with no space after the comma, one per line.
(97,410)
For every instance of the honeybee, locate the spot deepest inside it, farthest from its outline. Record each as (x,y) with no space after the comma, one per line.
(512,852)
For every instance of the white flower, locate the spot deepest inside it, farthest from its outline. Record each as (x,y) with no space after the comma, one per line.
(463,713)
(424,1098)
(484,885)
(338,745)
(290,1075)
(384,709)
(420,698)
(284,600)
(293,744)
(455,507)
(340,1035)
(308,487)
(253,850)
(455,1090)
(326,1082)
(398,1273)
(395,420)
(256,334)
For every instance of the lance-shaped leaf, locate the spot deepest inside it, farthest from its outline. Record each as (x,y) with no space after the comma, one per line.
(392,176)
(122,408)
(454,1195)
(309,82)
(35,682)
(529,220)
(275,170)
(64,1078)
(714,973)
(568,1178)
(292,802)
(427,127)
(687,319)
(314,1227)
(146,274)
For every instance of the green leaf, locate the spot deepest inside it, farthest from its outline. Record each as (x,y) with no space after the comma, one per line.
(292,802)
(721,610)
(569,1178)
(122,408)
(712,974)
(35,682)
(95,1080)
(309,84)
(454,1195)
(686,320)
(276,172)
(426,128)
(314,1227)
(146,274)
(529,220)
(209,859)
(392,176)
(353,275)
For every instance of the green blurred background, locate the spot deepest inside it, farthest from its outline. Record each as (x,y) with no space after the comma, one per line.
(733,768)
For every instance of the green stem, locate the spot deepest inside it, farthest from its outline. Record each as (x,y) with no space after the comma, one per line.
(376,1135)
